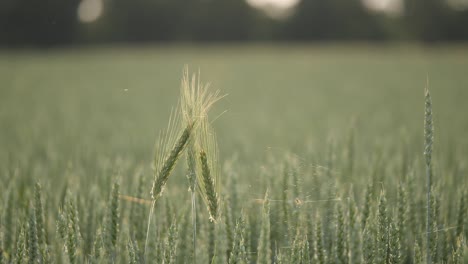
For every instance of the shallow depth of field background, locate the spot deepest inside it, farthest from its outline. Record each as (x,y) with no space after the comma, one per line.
(327,121)
(279,98)
(78,120)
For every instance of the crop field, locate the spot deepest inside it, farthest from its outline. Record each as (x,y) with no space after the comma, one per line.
(323,156)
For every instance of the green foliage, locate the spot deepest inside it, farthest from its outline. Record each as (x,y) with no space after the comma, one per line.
(239,247)
(7,224)
(461,222)
(418,257)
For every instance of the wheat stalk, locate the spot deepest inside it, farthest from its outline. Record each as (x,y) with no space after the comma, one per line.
(33,249)
(192,108)
(168,151)
(238,254)
(428,141)
(112,223)
(20,245)
(382,229)
(73,234)
(264,246)
(132,249)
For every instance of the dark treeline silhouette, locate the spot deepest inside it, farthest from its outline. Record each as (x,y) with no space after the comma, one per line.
(55,22)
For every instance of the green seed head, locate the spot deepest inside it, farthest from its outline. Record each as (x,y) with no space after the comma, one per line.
(428,129)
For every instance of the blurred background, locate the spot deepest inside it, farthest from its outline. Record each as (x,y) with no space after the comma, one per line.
(325,99)
(111,69)
(49,23)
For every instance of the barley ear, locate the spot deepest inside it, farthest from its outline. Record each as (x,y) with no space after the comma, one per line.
(33,249)
(382,231)
(461,215)
(319,247)
(170,249)
(73,232)
(133,254)
(196,100)
(208,170)
(296,251)
(428,128)
(169,162)
(340,244)
(368,245)
(238,253)
(264,245)
(39,211)
(90,226)
(394,254)
(366,206)
(209,187)
(113,219)
(7,221)
(20,245)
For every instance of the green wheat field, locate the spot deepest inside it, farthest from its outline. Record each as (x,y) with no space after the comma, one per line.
(323,156)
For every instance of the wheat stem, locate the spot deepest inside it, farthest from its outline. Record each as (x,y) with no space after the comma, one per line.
(429,139)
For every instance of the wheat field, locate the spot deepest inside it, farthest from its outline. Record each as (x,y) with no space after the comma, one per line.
(305,154)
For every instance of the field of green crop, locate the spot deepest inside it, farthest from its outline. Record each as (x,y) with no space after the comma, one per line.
(321,155)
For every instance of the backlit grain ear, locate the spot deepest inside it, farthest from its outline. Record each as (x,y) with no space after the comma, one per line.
(428,141)
(169,162)
(208,169)
(209,187)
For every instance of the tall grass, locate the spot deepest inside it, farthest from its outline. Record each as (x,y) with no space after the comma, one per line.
(429,139)
(334,202)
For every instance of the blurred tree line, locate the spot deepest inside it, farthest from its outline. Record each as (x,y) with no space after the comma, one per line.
(55,22)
